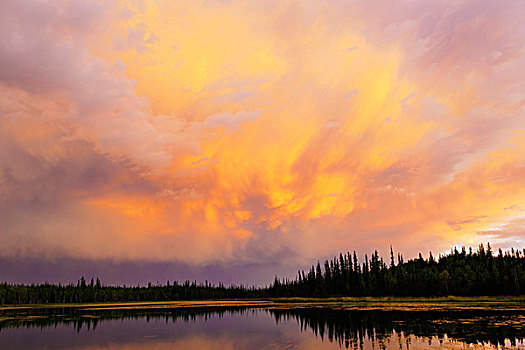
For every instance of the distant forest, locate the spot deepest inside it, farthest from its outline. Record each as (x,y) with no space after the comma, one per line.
(459,273)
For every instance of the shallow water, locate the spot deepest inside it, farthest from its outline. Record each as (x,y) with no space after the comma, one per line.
(260,328)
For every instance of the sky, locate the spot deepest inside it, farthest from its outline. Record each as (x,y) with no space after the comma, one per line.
(239,139)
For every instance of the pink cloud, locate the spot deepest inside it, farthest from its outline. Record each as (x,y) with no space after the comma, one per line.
(259,153)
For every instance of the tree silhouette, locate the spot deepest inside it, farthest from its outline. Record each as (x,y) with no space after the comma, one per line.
(457,273)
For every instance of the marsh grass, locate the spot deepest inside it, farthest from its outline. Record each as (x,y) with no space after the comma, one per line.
(299,302)
(446,299)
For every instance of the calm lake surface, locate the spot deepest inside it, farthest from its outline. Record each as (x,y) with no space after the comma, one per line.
(261,328)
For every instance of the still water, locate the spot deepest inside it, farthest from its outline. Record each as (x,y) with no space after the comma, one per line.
(260,328)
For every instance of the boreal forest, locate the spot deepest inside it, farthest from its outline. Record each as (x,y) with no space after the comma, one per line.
(458,273)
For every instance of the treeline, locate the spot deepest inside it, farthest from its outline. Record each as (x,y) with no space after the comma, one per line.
(459,273)
(95,292)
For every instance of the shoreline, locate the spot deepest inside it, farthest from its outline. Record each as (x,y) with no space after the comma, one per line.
(334,302)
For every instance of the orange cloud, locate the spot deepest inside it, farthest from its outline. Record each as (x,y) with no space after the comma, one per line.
(237,130)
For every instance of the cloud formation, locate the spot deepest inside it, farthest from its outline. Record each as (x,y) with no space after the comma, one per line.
(258,131)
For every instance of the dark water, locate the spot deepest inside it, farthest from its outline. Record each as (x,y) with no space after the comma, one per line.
(248,328)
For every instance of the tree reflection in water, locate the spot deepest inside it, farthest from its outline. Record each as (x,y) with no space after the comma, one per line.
(353,329)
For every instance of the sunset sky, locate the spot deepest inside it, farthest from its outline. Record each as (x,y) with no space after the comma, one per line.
(240,139)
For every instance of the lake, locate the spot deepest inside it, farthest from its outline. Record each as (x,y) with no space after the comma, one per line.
(284,326)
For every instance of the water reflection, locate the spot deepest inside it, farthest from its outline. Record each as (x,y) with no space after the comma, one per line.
(354,327)
(249,328)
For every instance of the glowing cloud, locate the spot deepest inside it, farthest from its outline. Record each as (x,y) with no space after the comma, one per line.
(245,131)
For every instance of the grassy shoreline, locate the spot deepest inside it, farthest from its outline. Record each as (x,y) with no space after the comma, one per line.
(269,302)
(446,299)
